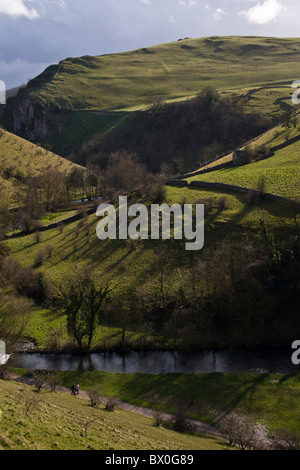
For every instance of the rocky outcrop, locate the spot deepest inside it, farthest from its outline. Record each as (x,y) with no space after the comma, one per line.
(24,113)
(28,121)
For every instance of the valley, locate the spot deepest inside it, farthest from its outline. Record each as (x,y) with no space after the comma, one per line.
(161,125)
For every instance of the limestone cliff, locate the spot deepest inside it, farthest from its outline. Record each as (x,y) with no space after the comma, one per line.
(29,121)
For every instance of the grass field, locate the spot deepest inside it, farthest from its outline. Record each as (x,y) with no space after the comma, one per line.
(281,173)
(57,421)
(271,399)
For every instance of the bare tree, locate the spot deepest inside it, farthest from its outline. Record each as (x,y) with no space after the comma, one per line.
(87,424)
(30,402)
(123,172)
(94,396)
(243,432)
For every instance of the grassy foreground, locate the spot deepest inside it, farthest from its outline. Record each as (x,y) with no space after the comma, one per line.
(58,421)
(272,400)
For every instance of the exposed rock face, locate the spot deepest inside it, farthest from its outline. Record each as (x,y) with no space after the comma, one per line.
(28,122)
(24,114)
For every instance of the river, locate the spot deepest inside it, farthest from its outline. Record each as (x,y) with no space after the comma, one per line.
(273,361)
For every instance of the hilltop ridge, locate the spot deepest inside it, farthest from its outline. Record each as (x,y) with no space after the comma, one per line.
(107,96)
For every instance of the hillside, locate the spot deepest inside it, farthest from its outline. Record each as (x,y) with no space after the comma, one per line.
(136,272)
(173,71)
(102,100)
(245,393)
(26,159)
(21,160)
(161,125)
(58,421)
(280,172)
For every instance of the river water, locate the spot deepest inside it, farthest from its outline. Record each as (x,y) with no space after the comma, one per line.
(273,361)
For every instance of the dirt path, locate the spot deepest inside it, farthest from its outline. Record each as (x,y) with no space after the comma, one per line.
(147,412)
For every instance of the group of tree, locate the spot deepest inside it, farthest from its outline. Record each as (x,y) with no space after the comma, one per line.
(238,293)
(177,137)
(242,294)
(53,190)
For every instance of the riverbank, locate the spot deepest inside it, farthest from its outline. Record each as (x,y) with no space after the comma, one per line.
(147,412)
(270,399)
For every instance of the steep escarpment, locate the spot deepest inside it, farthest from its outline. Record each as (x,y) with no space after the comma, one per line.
(29,120)
(25,113)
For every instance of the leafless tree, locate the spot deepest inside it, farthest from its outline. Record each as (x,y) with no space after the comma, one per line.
(95,396)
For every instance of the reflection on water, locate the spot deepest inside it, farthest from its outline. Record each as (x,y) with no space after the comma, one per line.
(276,361)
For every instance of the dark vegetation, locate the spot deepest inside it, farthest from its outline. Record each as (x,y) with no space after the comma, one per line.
(173,138)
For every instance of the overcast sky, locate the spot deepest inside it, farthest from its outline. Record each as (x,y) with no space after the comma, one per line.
(37,33)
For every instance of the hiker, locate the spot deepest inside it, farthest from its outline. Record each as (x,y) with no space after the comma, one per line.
(77,389)
(73,389)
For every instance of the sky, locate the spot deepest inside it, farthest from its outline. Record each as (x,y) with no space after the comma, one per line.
(37,33)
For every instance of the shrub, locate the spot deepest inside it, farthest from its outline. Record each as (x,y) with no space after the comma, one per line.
(30,403)
(50,249)
(132,244)
(284,439)
(255,196)
(256,152)
(159,195)
(61,227)
(223,203)
(243,432)
(53,380)
(29,223)
(5,250)
(158,418)
(39,380)
(95,397)
(252,197)
(111,403)
(37,236)
(33,285)
(3,371)
(181,422)
(39,259)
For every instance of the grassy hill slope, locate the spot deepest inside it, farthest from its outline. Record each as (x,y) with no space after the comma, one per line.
(21,160)
(57,421)
(172,71)
(133,266)
(26,159)
(254,394)
(281,171)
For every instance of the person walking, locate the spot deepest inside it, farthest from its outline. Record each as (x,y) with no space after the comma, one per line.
(77,389)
